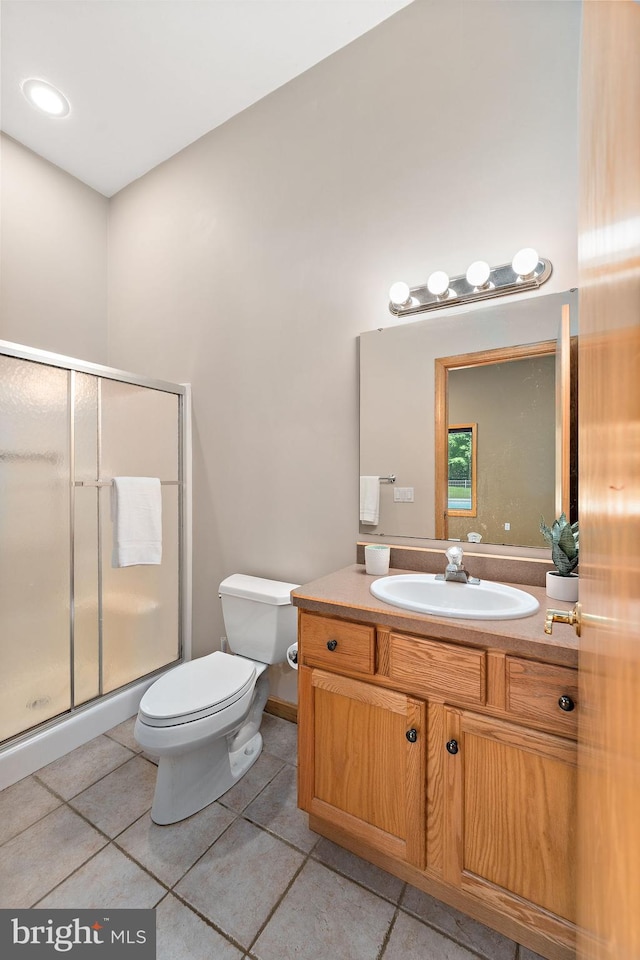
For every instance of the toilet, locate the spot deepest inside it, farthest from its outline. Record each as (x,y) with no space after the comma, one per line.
(201,719)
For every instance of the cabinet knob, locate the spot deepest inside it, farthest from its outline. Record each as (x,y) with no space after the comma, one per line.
(566,703)
(412,735)
(332,644)
(452,746)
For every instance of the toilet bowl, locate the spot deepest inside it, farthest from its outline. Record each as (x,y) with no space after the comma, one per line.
(201,719)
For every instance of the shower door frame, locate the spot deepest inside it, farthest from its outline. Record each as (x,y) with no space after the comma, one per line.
(183,392)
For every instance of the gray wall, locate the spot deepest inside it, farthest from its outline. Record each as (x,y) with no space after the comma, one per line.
(249,263)
(53,257)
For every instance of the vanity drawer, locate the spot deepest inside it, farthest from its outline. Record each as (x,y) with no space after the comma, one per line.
(337,644)
(534,691)
(429,667)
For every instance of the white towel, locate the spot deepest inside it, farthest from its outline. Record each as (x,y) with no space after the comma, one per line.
(136,511)
(370,500)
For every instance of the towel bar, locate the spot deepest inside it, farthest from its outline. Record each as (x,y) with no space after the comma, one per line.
(108,483)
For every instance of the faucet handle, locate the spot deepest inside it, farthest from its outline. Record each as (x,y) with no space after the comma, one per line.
(454,555)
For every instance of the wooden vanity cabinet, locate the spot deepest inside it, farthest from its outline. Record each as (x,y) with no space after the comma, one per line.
(509,807)
(362,761)
(452,766)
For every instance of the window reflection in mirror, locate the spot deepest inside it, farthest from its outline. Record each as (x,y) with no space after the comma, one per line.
(462,498)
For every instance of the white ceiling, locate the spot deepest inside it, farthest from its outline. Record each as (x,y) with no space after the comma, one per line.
(147,77)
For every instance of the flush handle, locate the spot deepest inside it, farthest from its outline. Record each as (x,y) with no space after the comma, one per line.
(332,644)
(452,746)
(412,735)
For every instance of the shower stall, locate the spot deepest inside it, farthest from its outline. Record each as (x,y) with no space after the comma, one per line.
(81,640)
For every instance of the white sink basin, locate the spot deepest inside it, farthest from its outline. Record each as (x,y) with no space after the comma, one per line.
(422,593)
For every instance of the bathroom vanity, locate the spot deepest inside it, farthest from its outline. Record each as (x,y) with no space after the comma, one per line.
(444,751)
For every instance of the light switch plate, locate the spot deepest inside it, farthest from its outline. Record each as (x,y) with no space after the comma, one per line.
(403,494)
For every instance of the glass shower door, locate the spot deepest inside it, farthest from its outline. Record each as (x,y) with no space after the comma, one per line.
(140,604)
(72,627)
(35,666)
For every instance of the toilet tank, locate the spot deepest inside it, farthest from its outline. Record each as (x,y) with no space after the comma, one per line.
(260,621)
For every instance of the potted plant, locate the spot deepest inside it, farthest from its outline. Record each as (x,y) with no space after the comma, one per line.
(562,583)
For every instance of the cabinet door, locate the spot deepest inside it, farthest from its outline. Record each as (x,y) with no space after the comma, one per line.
(362,761)
(511,809)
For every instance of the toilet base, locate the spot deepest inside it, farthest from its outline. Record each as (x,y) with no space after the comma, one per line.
(189,782)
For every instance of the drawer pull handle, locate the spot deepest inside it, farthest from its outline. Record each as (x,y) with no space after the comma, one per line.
(566,703)
(412,735)
(452,746)
(332,644)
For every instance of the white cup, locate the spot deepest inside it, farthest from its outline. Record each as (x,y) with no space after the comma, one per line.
(376,559)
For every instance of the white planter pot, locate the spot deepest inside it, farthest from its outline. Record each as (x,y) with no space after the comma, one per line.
(562,588)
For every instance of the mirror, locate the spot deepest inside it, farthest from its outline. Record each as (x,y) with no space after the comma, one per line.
(493,368)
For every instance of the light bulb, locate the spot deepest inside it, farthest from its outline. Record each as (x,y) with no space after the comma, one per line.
(525,262)
(399,293)
(438,283)
(478,274)
(45,97)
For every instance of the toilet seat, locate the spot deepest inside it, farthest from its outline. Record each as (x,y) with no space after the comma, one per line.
(197,689)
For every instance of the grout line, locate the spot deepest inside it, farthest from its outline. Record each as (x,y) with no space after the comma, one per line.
(358,883)
(29,825)
(99,780)
(387,936)
(208,921)
(278,903)
(69,875)
(197,860)
(472,950)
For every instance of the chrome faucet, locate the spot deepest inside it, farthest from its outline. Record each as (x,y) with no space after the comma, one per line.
(455,570)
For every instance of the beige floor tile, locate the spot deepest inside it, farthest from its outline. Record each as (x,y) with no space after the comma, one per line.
(276,808)
(181,935)
(255,779)
(370,876)
(109,880)
(412,940)
(324,916)
(488,943)
(117,800)
(85,765)
(123,733)
(22,804)
(168,852)
(44,854)
(239,880)
(280,738)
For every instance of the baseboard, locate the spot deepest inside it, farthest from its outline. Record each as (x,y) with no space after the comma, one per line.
(282,708)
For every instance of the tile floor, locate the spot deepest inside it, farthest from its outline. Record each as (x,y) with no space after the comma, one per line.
(244,878)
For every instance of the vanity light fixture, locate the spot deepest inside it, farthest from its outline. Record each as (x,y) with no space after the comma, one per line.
(46,97)
(399,294)
(525,262)
(527,271)
(438,284)
(478,275)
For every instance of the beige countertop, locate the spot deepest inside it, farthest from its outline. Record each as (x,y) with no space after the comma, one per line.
(346,594)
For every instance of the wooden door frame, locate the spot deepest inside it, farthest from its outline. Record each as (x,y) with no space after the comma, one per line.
(480,358)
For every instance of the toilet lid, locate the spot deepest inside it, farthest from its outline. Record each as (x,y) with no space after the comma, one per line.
(197,689)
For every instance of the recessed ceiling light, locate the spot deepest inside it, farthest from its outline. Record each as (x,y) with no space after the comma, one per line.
(45,97)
